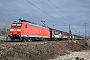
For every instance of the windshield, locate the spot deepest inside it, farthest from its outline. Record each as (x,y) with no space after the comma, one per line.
(19,25)
(16,25)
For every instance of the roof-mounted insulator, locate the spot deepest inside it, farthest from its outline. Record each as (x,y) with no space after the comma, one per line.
(20,20)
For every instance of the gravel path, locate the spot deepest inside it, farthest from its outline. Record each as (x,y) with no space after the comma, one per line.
(73,55)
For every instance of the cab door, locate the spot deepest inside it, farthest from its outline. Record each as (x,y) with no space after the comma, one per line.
(26,30)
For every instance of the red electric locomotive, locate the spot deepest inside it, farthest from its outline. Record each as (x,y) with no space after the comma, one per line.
(27,31)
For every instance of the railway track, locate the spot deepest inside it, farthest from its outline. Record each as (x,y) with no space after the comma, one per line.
(6,42)
(24,43)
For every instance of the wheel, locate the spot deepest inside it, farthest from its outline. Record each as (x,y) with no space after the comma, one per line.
(30,39)
(12,39)
(23,39)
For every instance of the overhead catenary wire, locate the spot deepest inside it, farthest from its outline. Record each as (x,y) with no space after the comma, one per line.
(61,12)
(69,19)
(53,9)
(46,4)
(42,10)
(56,11)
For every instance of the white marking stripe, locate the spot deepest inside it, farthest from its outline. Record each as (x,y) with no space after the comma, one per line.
(25,35)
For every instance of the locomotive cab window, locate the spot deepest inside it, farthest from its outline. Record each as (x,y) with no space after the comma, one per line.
(16,25)
(13,25)
(19,25)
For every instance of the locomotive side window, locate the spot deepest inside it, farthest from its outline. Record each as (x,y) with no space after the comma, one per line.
(26,26)
(13,25)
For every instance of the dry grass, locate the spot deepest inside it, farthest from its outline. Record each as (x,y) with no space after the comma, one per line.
(40,51)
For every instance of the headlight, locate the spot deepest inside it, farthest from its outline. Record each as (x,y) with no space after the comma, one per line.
(18,29)
(11,30)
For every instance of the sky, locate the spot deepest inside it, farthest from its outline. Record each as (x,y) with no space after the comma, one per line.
(57,14)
